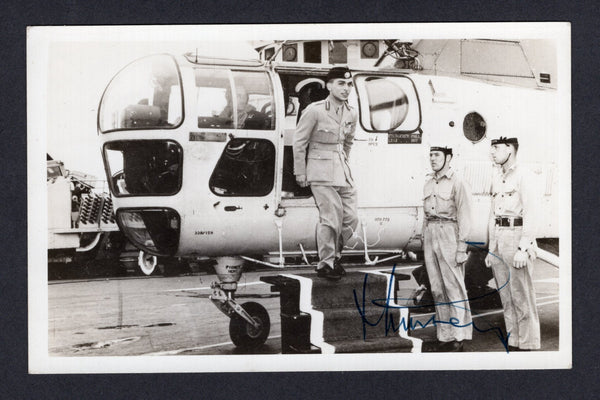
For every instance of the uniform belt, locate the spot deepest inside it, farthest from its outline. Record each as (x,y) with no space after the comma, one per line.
(326,146)
(438,219)
(509,221)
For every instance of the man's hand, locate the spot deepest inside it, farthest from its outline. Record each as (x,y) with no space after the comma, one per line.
(520,259)
(461,257)
(301,180)
(489,259)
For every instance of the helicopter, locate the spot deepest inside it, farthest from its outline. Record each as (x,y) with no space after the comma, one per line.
(198,150)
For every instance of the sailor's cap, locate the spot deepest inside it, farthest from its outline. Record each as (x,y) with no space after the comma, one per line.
(308,81)
(445,150)
(505,140)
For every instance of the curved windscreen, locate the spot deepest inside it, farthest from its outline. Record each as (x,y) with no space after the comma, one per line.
(144,167)
(156,230)
(146,94)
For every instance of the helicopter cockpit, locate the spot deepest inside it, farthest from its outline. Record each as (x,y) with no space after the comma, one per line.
(146,94)
(253,94)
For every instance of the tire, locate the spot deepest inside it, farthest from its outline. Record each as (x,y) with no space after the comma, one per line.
(242,334)
(146,263)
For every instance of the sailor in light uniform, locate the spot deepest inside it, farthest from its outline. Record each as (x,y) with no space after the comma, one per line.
(322,144)
(512,245)
(447,209)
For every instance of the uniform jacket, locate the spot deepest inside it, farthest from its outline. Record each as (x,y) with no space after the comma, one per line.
(322,143)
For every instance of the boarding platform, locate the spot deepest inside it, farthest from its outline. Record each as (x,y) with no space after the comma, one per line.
(345,316)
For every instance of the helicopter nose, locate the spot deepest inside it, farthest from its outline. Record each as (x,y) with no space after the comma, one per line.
(155,230)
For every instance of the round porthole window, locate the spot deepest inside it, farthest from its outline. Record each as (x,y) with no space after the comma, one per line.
(290,53)
(474,127)
(369,50)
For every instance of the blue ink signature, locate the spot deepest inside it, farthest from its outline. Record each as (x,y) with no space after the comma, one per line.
(413,324)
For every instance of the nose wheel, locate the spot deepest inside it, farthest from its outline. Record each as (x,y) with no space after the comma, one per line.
(147,263)
(243,334)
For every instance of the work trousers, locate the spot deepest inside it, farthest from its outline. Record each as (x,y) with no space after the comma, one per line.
(516,290)
(338,220)
(447,281)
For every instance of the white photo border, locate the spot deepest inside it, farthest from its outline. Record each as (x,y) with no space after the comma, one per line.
(39,40)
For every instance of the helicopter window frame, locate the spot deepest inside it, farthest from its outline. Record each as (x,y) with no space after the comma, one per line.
(235,79)
(113,185)
(363,103)
(171,248)
(155,128)
(223,156)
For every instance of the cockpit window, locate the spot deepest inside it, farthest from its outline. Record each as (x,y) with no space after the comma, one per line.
(246,168)
(144,167)
(146,94)
(388,104)
(234,99)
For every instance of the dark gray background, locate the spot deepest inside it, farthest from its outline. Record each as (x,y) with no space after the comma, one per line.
(580,382)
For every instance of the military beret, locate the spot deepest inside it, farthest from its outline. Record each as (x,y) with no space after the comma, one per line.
(444,150)
(505,140)
(338,73)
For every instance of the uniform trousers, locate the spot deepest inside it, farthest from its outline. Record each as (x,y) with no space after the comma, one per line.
(516,290)
(338,220)
(453,315)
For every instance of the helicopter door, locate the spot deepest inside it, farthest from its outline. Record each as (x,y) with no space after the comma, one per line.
(388,142)
(239,104)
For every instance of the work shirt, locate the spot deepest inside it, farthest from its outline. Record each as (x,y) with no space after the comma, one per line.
(448,197)
(322,143)
(513,196)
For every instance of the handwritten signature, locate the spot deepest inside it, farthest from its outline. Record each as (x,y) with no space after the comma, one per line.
(391,326)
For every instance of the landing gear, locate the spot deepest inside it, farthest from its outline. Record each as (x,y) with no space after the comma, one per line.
(245,335)
(250,324)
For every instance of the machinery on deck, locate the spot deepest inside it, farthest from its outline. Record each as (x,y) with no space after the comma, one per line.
(82,231)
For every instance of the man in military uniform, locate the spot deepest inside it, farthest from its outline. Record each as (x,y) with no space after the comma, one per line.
(247,115)
(447,222)
(322,143)
(512,245)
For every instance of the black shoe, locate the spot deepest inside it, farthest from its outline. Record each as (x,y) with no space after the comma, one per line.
(457,346)
(431,345)
(515,348)
(337,267)
(453,346)
(328,273)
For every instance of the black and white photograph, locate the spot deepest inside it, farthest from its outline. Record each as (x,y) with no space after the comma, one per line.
(300,197)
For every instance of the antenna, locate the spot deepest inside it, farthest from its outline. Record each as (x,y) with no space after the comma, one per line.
(196,55)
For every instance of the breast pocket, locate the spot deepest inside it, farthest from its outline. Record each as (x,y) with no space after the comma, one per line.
(510,200)
(510,190)
(444,201)
(319,166)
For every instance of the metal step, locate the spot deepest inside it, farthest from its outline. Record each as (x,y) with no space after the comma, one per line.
(355,314)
